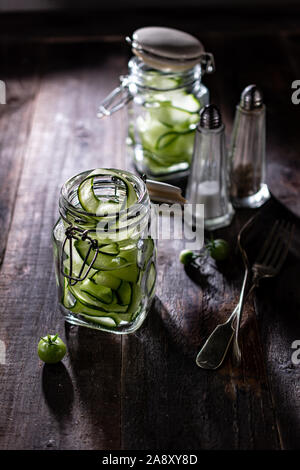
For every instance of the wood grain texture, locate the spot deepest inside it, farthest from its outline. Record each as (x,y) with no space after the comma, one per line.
(76,405)
(15,124)
(141,391)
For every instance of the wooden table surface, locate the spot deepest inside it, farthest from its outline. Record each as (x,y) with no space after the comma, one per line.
(141,391)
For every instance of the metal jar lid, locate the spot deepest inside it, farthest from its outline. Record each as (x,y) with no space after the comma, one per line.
(169,49)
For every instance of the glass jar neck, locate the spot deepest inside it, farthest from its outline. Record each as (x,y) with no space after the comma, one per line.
(128,222)
(144,76)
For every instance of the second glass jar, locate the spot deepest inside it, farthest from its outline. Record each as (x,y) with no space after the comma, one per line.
(163,116)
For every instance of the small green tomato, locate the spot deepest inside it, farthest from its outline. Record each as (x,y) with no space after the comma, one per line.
(186,257)
(218,249)
(51,349)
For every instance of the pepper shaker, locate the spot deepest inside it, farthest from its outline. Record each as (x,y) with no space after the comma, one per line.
(247,151)
(208,180)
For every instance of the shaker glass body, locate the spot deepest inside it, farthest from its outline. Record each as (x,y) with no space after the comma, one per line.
(248,158)
(208,181)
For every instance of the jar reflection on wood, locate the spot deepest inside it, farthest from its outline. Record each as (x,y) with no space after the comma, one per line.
(105,261)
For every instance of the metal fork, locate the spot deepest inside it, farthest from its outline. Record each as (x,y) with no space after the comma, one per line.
(268,264)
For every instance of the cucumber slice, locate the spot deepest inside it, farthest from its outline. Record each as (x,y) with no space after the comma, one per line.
(129,254)
(124,293)
(167,130)
(129,273)
(151,279)
(105,321)
(76,262)
(155,80)
(173,117)
(184,101)
(111,321)
(111,249)
(103,261)
(136,299)
(92,204)
(169,138)
(93,303)
(102,293)
(81,308)
(146,252)
(67,300)
(101,316)
(103,278)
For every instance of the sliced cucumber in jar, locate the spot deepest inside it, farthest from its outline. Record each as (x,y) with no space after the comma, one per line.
(102,260)
(102,293)
(103,278)
(92,204)
(167,127)
(129,273)
(124,293)
(90,301)
(108,291)
(111,249)
(104,321)
(151,279)
(144,254)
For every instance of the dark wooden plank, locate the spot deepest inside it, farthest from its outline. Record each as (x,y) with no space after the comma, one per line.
(237,410)
(272,59)
(177,405)
(277,304)
(142,391)
(75,405)
(15,124)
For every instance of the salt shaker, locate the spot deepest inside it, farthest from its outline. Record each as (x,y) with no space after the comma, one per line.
(208,180)
(247,151)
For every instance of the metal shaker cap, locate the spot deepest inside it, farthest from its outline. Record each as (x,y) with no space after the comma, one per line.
(251,98)
(210,117)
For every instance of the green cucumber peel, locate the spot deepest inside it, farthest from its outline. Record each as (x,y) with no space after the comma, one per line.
(92,204)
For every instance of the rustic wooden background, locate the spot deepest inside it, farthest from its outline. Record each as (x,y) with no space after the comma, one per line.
(141,391)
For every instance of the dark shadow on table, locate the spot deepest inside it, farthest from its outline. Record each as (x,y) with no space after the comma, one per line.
(95,359)
(172,405)
(58,390)
(278,305)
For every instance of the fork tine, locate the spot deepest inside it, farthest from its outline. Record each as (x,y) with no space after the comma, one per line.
(275,243)
(282,254)
(267,243)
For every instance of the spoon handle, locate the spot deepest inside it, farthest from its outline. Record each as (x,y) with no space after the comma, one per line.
(216,346)
(214,350)
(236,348)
